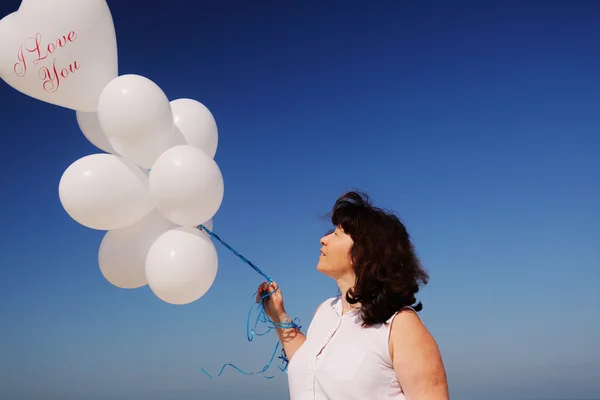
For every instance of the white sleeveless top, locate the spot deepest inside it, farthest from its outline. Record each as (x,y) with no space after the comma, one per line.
(341,360)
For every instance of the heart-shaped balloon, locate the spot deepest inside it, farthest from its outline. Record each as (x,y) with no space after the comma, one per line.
(62,52)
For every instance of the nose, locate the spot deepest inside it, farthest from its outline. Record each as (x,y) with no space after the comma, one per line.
(323,240)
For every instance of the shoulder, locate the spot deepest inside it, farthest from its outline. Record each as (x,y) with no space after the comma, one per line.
(408,333)
(329,303)
(406,322)
(322,316)
(416,357)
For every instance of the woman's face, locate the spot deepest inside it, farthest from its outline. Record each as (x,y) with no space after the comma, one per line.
(335,254)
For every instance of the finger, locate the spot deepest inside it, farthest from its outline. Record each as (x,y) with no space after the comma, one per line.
(273,287)
(259,291)
(262,288)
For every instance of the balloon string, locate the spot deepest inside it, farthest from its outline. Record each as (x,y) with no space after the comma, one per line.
(244,259)
(251,331)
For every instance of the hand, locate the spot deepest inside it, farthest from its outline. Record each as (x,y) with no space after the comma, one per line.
(273,303)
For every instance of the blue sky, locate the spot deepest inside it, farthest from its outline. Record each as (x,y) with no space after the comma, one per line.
(476,121)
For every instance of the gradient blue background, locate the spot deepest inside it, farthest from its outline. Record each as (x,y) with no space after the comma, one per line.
(477,121)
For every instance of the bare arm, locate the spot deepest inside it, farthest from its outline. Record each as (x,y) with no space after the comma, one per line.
(291,338)
(417,359)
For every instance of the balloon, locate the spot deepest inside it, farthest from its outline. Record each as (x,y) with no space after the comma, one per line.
(197,124)
(136,117)
(187,185)
(122,253)
(181,265)
(104,191)
(59,51)
(90,127)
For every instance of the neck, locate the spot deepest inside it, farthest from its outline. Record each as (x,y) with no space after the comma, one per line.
(345,283)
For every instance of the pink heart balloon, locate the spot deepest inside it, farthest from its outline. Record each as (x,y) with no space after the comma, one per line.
(62,52)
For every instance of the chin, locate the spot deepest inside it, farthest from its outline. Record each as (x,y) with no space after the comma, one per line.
(322,268)
(319,267)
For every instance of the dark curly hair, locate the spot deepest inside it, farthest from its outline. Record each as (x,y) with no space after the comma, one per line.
(388,272)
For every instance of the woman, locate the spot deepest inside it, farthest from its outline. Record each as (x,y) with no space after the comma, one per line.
(368,343)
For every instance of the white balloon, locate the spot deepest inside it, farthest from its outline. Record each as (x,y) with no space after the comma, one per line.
(181,265)
(197,124)
(187,185)
(91,129)
(104,191)
(61,52)
(136,117)
(122,253)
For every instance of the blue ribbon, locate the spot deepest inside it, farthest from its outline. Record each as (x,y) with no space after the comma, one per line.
(251,331)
